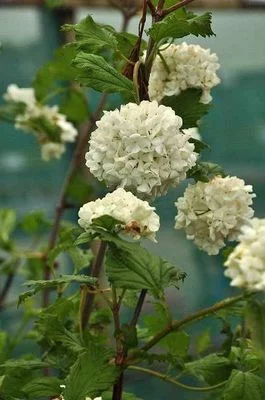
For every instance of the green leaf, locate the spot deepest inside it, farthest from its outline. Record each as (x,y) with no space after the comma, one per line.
(125,396)
(91,374)
(205,171)
(203,341)
(126,42)
(212,368)
(91,36)
(244,386)
(245,354)
(23,364)
(7,224)
(176,26)
(101,39)
(187,105)
(54,331)
(8,112)
(98,74)
(43,387)
(106,222)
(79,189)
(81,258)
(255,322)
(176,343)
(42,284)
(58,70)
(34,222)
(84,237)
(74,106)
(168,3)
(130,266)
(128,336)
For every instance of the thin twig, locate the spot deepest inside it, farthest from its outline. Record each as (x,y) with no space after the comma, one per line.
(194,317)
(89,297)
(75,163)
(138,308)
(175,382)
(7,285)
(120,352)
(163,13)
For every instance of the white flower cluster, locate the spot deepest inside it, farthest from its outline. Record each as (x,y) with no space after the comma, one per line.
(138,217)
(49,126)
(141,148)
(246,264)
(193,132)
(181,67)
(213,212)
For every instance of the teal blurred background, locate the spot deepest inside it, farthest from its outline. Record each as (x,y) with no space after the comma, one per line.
(234,128)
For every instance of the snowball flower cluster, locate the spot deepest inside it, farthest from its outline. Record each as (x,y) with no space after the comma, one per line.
(193,132)
(138,216)
(140,148)
(246,264)
(181,67)
(213,212)
(49,126)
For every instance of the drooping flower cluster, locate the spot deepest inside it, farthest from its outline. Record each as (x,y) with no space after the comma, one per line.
(181,67)
(213,212)
(141,148)
(137,216)
(49,126)
(246,264)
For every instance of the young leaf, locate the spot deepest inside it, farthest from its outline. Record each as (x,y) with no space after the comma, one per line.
(130,266)
(91,374)
(203,342)
(244,386)
(81,258)
(98,74)
(177,26)
(43,387)
(212,368)
(187,105)
(176,343)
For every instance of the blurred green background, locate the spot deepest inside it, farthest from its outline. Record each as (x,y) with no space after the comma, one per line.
(234,128)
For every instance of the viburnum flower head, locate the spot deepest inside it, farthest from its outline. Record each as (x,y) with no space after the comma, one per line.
(183,66)
(246,264)
(50,127)
(214,211)
(140,148)
(137,216)
(20,95)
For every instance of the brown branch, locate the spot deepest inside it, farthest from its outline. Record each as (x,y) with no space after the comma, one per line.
(194,317)
(183,3)
(90,297)
(62,204)
(7,286)
(120,351)
(138,307)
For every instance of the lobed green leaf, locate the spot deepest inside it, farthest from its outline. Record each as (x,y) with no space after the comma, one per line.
(187,105)
(98,74)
